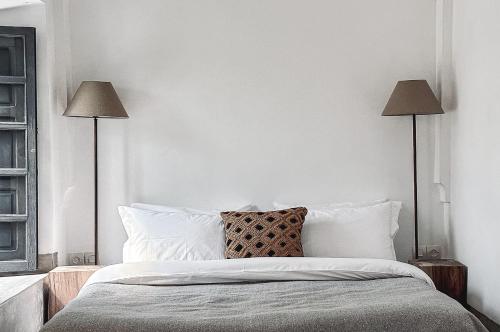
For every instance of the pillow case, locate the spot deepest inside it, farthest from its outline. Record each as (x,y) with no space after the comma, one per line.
(364,231)
(172,235)
(263,234)
(332,205)
(396,206)
(164,208)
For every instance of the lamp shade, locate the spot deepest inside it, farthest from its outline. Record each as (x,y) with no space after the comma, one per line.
(95,99)
(412,97)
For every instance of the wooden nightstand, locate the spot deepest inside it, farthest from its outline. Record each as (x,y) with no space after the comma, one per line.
(64,283)
(449,276)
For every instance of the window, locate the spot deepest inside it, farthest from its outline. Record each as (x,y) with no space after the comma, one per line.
(18,183)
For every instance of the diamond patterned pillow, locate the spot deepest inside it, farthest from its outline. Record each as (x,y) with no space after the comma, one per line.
(263,234)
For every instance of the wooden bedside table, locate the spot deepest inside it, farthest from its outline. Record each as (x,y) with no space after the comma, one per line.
(64,283)
(449,276)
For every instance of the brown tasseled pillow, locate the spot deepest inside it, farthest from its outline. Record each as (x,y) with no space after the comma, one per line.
(264,234)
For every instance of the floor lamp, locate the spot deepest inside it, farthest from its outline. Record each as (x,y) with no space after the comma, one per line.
(413,98)
(95,100)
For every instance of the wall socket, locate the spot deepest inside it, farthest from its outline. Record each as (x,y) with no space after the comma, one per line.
(430,252)
(76,258)
(81,258)
(434,252)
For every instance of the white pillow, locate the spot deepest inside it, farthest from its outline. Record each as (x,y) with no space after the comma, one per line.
(171,235)
(396,206)
(331,205)
(163,208)
(365,231)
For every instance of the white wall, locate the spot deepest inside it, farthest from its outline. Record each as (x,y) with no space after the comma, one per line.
(475,113)
(70,156)
(239,101)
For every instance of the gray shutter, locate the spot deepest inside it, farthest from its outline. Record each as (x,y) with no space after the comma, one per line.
(18,167)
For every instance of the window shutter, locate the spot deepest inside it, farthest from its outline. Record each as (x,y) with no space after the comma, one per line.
(18,165)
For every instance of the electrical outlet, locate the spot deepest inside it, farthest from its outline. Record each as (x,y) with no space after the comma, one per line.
(76,258)
(89,258)
(433,252)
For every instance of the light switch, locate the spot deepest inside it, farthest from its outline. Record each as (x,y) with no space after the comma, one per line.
(421,251)
(89,258)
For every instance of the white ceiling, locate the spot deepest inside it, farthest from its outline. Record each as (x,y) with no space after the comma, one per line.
(4,4)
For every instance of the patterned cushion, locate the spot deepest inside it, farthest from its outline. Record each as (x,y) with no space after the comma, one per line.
(262,234)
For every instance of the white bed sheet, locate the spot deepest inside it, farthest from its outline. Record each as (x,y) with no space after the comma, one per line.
(254,269)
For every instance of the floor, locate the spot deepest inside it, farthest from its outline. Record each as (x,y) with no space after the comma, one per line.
(490,325)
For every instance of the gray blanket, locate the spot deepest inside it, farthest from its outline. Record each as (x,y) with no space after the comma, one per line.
(398,304)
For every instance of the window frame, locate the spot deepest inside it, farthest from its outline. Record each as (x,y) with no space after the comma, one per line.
(29,126)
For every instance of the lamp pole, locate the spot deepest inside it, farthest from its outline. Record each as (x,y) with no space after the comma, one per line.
(96,200)
(413,97)
(95,99)
(415,191)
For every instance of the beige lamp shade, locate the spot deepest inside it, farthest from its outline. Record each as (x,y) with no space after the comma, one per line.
(95,99)
(412,97)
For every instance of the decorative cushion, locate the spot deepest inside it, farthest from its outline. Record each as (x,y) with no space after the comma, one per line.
(263,234)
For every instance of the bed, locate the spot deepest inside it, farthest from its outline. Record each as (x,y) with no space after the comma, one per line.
(263,294)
